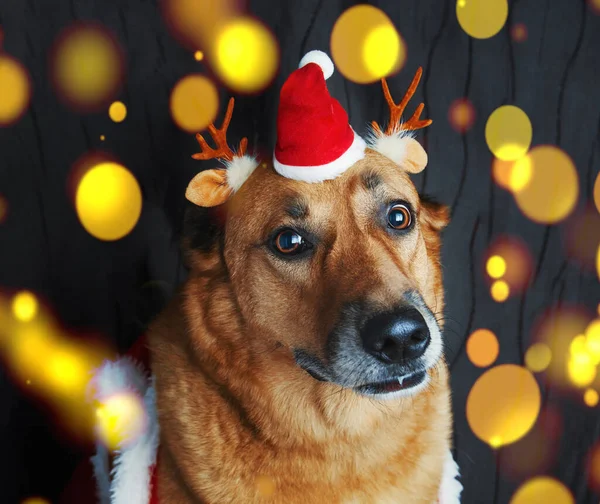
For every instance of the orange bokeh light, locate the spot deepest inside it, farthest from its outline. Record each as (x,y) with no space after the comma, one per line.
(483,347)
(519,32)
(517,261)
(461,115)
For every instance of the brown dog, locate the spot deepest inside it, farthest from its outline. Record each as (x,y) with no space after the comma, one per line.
(302,360)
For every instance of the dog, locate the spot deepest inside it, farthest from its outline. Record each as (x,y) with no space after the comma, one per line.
(302,360)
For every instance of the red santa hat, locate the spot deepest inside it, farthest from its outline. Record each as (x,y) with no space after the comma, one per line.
(315,142)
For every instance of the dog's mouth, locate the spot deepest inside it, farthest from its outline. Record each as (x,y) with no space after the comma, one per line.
(393,385)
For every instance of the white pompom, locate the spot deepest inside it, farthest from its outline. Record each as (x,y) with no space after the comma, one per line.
(321,59)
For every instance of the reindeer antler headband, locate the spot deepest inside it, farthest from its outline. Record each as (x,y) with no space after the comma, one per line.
(315,141)
(213,187)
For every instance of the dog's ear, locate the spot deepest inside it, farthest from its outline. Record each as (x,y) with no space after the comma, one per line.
(434,214)
(209,188)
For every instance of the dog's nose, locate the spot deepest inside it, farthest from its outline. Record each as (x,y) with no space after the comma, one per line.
(396,337)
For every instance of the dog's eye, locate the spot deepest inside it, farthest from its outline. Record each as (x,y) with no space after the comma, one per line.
(399,217)
(289,242)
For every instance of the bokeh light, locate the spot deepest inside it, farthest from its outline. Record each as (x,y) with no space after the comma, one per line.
(102,138)
(195,23)
(503,404)
(581,236)
(483,347)
(594,467)
(512,175)
(595,5)
(562,328)
(538,357)
(108,201)
(597,192)
(537,451)
(542,490)
(496,266)
(117,111)
(121,419)
(481,18)
(87,66)
(35,500)
(66,370)
(461,115)
(365,45)
(265,486)
(508,133)
(15,89)
(25,306)
(194,103)
(500,291)
(590,397)
(553,187)
(198,55)
(592,341)
(3,209)
(517,264)
(246,55)
(519,32)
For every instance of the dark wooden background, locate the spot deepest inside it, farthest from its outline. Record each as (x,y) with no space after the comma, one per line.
(116,288)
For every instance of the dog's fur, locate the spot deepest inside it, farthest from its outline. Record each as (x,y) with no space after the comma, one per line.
(230,355)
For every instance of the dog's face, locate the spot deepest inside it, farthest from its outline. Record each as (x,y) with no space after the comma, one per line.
(344,273)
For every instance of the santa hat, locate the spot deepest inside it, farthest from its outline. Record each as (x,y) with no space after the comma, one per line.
(315,142)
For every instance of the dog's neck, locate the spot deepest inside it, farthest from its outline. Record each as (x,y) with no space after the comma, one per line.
(225,400)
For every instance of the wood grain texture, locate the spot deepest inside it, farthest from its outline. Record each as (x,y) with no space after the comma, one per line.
(115,288)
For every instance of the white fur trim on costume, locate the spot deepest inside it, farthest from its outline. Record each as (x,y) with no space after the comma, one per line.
(321,59)
(239,169)
(328,171)
(392,146)
(129,480)
(451,488)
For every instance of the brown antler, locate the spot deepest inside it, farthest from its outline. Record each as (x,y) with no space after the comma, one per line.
(220,137)
(414,123)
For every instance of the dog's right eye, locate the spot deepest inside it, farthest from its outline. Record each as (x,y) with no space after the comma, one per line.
(289,243)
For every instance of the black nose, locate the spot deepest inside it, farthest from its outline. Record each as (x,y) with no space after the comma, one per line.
(396,337)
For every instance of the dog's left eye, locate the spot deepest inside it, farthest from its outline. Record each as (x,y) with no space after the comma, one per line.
(288,242)
(399,217)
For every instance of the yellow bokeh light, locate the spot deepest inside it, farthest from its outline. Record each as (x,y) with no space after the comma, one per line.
(591,398)
(108,201)
(26,350)
(66,372)
(35,500)
(520,174)
(496,266)
(87,67)
(500,291)
(508,133)
(483,347)
(194,103)
(597,192)
(198,55)
(542,490)
(381,50)
(102,137)
(265,486)
(553,187)
(365,45)
(246,55)
(538,357)
(15,90)
(581,370)
(592,341)
(25,306)
(503,404)
(120,419)
(481,18)
(117,111)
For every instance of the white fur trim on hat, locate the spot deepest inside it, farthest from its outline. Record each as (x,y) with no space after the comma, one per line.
(239,169)
(328,171)
(392,146)
(321,59)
